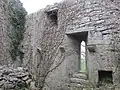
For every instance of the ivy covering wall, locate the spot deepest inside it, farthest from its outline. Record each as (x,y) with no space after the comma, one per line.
(17,21)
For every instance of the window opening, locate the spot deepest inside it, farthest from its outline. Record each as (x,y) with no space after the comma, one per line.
(81,38)
(83,56)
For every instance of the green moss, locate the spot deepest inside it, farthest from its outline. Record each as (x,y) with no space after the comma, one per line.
(17,19)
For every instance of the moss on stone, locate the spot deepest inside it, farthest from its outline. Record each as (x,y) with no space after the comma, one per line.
(17,19)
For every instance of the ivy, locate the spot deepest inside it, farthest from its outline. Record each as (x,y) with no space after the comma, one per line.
(17,19)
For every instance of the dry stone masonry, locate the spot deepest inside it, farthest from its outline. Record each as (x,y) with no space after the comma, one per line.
(12,21)
(94,22)
(15,79)
(97,23)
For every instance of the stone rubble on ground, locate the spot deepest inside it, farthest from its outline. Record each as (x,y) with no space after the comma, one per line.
(15,78)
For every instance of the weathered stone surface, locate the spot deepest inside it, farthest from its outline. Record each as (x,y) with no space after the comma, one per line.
(5,29)
(80,76)
(4,39)
(12,78)
(81,81)
(99,18)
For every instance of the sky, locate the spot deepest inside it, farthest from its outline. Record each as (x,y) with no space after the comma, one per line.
(35,5)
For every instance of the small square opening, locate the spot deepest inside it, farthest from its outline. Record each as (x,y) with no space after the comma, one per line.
(105,78)
(53,15)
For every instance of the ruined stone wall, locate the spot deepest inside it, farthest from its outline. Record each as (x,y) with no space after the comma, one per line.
(36,24)
(8,24)
(15,79)
(100,19)
(4,29)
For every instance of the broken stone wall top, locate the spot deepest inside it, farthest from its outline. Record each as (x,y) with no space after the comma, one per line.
(99,18)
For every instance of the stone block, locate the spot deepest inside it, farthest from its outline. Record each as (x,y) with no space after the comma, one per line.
(80,76)
(74,88)
(117,88)
(80,81)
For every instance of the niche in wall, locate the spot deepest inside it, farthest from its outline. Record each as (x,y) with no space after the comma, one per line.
(53,15)
(105,78)
(91,48)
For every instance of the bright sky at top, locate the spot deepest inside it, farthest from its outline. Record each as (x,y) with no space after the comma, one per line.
(34,5)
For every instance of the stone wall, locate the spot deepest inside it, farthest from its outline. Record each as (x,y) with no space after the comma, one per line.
(8,9)
(100,20)
(11,78)
(15,79)
(4,29)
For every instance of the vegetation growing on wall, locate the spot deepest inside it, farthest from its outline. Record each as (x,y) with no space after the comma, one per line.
(17,19)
